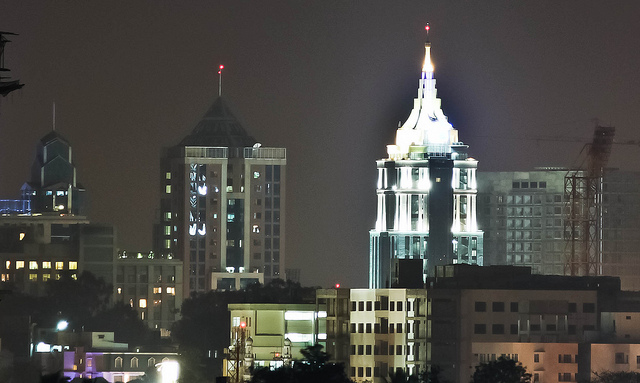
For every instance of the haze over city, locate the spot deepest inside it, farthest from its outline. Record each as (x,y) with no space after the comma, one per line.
(327,80)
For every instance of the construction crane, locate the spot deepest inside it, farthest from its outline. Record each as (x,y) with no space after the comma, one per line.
(6,87)
(583,206)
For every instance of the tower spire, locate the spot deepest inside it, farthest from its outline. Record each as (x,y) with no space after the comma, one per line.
(220,80)
(428,65)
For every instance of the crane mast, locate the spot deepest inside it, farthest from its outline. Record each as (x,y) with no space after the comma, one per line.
(583,187)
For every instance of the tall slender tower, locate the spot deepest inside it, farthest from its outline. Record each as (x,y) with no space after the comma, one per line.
(426,197)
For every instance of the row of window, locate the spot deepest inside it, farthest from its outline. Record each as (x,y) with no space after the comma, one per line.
(513,307)
(499,328)
(383,304)
(35,265)
(379,350)
(366,371)
(35,277)
(156,290)
(529,185)
(363,328)
(133,362)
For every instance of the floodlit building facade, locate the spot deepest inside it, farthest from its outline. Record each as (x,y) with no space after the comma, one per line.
(222,211)
(272,335)
(426,197)
(388,333)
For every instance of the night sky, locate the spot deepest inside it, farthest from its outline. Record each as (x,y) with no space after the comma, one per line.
(328,80)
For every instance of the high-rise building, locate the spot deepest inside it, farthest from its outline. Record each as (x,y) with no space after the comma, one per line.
(426,197)
(523,215)
(222,210)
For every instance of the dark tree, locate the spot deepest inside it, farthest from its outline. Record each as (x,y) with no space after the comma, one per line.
(203,315)
(313,368)
(502,370)
(616,377)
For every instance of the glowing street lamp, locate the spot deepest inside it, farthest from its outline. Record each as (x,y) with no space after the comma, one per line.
(169,371)
(62,325)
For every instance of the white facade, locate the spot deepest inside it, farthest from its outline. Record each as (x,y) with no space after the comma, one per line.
(388,332)
(426,192)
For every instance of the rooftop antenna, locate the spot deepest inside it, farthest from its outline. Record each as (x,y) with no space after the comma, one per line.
(220,80)
(426,28)
(54,116)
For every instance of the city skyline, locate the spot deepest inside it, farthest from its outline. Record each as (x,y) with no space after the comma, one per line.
(520,83)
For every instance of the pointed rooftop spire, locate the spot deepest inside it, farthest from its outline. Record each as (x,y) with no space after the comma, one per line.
(428,65)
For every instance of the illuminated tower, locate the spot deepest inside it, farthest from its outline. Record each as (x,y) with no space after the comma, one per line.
(426,197)
(222,210)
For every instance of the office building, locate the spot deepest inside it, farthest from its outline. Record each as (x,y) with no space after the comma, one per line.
(223,205)
(524,216)
(152,285)
(426,197)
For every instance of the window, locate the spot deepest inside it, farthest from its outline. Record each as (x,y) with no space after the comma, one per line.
(399,349)
(535,327)
(157,290)
(369,306)
(360,349)
(59,265)
(73,265)
(368,328)
(46,265)
(368,372)
(497,329)
(573,307)
(399,328)
(171,290)
(513,329)
(167,175)
(361,328)
(497,307)
(46,277)
(142,303)
(353,328)
(360,371)
(167,189)
(19,265)
(621,358)
(134,362)
(256,175)
(588,307)
(479,328)
(514,307)
(399,305)
(353,349)
(118,362)
(536,358)
(33,265)
(361,306)
(33,277)
(368,350)
(481,307)
(151,362)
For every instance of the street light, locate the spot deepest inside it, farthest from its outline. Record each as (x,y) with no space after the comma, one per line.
(62,325)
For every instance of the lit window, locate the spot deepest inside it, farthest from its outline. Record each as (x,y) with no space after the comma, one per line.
(49,192)
(167,230)
(21,236)
(33,265)
(73,265)
(46,265)
(59,265)
(119,290)
(142,303)
(19,265)
(256,229)
(7,265)
(167,189)
(167,243)
(33,277)
(57,276)
(157,290)
(167,175)
(74,277)
(60,193)
(167,216)
(256,174)
(46,277)
(4,278)
(157,302)
(171,290)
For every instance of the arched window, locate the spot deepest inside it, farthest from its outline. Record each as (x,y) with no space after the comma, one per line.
(118,362)
(134,362)
(164,359)
(151,362)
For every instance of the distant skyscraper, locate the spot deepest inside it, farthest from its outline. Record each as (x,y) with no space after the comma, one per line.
(426,197)
(54,187)
(223,205)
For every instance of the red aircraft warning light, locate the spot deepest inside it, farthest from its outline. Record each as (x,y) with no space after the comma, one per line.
(337,285)
(243,324)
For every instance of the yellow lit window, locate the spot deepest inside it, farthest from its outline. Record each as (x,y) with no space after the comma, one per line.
(142,303)
(57,276)
(157,290)
(171,290)
(74,276)
(33,265)
(59,265)
(73,265)
(21,236)
(46,277)
(46,265)
(7,265)
(167,243)
(19,264)
(167,230)
(167,189)
(33,277)
(119,290)
(157,302)
(168,175)
(5,278)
